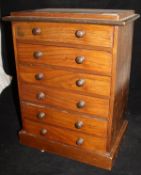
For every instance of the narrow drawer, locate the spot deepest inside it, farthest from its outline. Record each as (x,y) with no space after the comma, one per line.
(79,123)
(81,59)
(62,79)
(65,100)
(74,34)
(65,136)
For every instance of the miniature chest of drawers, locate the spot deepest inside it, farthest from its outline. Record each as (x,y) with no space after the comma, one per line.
(73,69)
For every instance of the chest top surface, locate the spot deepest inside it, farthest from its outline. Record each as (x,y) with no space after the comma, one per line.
(92,16)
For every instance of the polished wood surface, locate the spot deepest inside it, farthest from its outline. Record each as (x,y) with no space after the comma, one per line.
(102,160)
(85,16)
(67,80)
(65,136)
(73,81)
(64,119)
(121,74)
(93,106)
(99,62)
(95,35)
(75,13)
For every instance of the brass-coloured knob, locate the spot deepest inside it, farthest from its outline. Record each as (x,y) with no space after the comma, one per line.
(40,95)
(79,124)
(79,59)
(80,33)
(43,131)
(37,54)
(36,31)
(80,82)
(41,115)
(79,141)
(39,76)
(81,104)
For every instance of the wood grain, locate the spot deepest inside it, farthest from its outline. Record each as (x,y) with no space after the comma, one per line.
(99,62)
(65,136)
(102,160)
(85,16)
(64,119)
(62,79)
(120,80)
(106,68)
(96,35)
(64,100)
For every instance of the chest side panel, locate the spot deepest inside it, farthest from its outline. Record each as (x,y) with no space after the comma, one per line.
(120,79)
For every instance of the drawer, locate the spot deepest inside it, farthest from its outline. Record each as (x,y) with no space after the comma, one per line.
(79,123)
(65,136)
(73,34)
(82,59)
(65,100)
(62,79)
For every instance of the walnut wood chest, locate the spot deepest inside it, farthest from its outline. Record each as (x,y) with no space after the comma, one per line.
(73,69)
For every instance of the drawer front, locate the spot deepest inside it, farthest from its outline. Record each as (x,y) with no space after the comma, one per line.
(65,100)
(79,123)
(79,34)
(88,60)
(69,80)
(65,136)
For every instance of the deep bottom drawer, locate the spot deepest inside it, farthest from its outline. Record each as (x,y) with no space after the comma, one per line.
(65,136)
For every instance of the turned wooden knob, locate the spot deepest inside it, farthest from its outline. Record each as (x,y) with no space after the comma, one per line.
(43,131)
(79,124)
(80,82)
(80,33)
(40,95)
(37,54)
(36,31)
(79,59)
(81,104)
(79,141)
(41,115)
(39,76)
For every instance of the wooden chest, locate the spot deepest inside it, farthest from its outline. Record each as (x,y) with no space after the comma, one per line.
(73,69)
